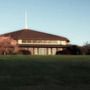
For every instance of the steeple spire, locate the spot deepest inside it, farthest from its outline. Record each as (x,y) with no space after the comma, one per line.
(26,20)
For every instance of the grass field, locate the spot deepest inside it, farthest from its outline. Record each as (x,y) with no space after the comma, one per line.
(44,72)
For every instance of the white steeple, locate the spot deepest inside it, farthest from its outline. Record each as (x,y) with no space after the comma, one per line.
(26,20)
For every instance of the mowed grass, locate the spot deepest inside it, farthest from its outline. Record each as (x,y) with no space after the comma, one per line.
(44,72)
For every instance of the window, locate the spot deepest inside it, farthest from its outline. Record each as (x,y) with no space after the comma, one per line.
(44,42)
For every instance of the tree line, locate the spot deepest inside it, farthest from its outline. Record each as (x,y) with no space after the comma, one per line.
(75,50)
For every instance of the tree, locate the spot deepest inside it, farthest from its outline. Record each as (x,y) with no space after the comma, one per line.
(8,45)
(86,49)
(70,50)
(74,49)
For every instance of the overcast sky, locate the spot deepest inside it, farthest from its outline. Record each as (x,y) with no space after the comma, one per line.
(69,18)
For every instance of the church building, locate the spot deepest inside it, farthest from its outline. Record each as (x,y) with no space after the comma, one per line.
(38,43)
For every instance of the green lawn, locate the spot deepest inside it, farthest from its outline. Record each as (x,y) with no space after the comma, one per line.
(44,72)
